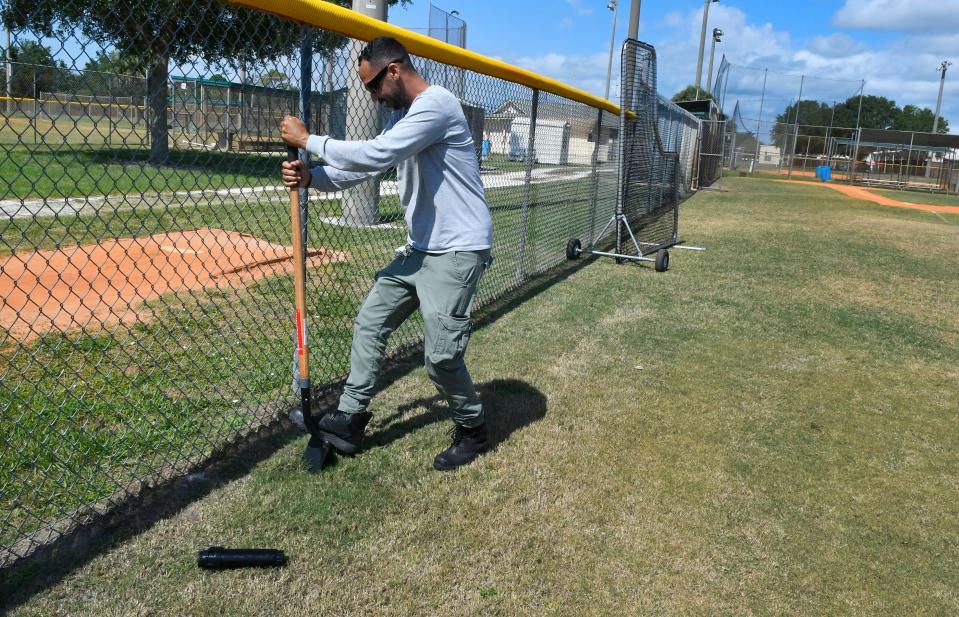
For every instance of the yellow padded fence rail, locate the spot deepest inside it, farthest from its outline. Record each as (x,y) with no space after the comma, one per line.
(333,18)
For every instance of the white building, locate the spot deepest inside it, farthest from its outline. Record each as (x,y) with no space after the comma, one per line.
(578,124)
(769,154)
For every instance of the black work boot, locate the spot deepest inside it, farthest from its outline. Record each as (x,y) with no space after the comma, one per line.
(468,443)
(344,431)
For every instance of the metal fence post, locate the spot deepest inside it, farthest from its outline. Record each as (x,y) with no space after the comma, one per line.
(759,123)
(792,151)
(591,215)
(9,75)
(527,191)
(621,164)
(306,83)
(110,108)
(855,155)
(912,138)
(802,81)
(36,105)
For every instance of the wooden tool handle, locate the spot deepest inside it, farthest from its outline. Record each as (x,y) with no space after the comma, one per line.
(299,277)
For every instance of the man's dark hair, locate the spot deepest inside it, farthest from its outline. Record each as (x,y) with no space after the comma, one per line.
(383,50)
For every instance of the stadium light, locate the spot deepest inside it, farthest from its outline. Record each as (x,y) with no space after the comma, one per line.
(611,5)
(702,47)
(717,38)
(942,82)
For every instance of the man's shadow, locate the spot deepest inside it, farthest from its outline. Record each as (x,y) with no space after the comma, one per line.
(509,405)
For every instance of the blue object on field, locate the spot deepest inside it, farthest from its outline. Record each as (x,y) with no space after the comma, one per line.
(826,173)
(486,148)
(819,171)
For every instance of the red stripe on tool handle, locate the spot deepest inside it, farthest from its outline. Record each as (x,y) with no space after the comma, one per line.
(300,334)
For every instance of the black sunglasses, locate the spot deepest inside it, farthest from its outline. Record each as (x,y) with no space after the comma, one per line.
(374,84)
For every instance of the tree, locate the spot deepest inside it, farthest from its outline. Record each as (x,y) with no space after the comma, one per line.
(276,79)
(913,118)
(689,94)
(113,61)
(815,116)
(111,73)
(156,32)
(35,70)
(878,112)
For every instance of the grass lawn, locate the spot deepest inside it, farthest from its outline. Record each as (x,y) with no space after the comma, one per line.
(768,428)
(50,171)
(919,197)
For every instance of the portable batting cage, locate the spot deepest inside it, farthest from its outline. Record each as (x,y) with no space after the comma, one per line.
(654,166)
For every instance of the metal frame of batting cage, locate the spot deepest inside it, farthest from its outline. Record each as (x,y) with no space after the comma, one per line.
(651,162)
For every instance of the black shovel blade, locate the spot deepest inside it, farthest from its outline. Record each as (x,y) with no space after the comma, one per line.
(316,454)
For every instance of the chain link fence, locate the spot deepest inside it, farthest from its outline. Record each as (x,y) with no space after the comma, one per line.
(794,125)
(897,160)
(145,262)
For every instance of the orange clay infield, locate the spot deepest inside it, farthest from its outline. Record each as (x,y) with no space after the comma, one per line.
(857,192)
(107,283)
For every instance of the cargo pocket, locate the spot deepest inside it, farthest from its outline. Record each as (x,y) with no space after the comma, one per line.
(451,338)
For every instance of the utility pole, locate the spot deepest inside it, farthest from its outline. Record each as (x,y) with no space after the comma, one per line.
(611,5)
(942,82)
(702,47)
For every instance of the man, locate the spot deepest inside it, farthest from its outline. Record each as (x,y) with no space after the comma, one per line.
(448,245)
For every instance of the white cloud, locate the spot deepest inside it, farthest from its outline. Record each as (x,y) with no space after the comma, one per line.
(743,43)
(579,7)
(835,46)
(899,15)
(944,45)
(584,72)
(833,65)
(566,23)
(674,19)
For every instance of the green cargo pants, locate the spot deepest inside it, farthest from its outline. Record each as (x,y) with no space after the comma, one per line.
(443,286)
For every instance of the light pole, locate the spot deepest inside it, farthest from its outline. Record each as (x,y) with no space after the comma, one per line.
(611,5)
(702,47)
(717,38)
(942,82)
(634,20)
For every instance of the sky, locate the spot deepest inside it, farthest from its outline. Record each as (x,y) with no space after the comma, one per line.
(895,46)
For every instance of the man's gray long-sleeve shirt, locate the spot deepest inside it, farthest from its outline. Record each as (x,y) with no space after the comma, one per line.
(439,182)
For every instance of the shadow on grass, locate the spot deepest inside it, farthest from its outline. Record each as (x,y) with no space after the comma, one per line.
(511,404)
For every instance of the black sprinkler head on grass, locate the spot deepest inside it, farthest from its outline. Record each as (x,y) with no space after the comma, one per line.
(219,558)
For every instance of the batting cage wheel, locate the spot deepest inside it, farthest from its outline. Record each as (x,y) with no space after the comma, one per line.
(573,249)
(662,260)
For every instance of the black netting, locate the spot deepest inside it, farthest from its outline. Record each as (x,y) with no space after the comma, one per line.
(657,145)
